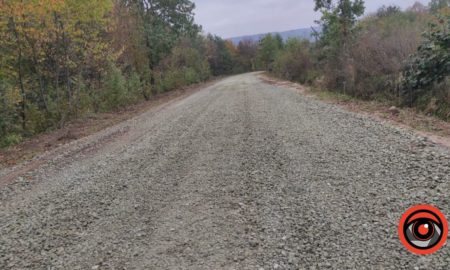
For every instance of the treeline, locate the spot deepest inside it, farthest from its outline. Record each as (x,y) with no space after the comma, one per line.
(392,55)
(63,59)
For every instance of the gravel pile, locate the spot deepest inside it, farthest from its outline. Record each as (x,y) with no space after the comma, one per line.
(241,175)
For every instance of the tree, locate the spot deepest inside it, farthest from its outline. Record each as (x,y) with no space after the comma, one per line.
(386,11)
(383,43)
(436,5)
(151,29)
(342,12)
(295,61)
(247,51)
(269,46)
(338,26)
(52,44)
(431,63)
(186,64)
(129,42)
(219,56)
(62,59)
(164,23)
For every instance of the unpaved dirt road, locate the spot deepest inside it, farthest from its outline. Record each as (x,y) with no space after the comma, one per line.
(240,175)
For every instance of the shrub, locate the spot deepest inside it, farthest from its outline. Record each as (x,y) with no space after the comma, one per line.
(185,65)
(134,88)
(431,64)
(114,92)
(10,139)
(382,46)
(295,62)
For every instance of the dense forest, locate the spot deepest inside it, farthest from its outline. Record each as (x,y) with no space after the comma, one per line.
(65,59)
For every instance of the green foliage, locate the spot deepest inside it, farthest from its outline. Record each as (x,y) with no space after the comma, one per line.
(63,59)
(46,46)
(114,94)
(431,63)
(186,65)
(10,139)
(426,74)
(219,56)
(338,19)
(388,11)
(338,25)
(247,51)
(8,103)
(164,22)
(134,88)
(295,62)
(437,5)
(379,57)
(383,44)
(269,46)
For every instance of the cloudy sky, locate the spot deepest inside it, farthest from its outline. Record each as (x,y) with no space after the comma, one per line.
(231,18)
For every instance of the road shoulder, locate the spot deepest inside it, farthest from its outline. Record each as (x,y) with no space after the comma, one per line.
(20,159)
(433,129)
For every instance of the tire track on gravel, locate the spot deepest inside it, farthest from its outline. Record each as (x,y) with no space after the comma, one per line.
(240,175)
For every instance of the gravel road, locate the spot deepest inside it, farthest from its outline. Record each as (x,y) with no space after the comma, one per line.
(239,175)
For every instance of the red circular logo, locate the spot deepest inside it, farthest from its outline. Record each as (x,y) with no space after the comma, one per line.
(423,229)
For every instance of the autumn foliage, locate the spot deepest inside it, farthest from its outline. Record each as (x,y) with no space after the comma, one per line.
(65,59)
(395,56)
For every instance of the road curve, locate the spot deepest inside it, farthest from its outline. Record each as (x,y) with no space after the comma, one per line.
(240,175)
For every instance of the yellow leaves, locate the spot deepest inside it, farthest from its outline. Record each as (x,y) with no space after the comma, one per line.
(40,21)
(42,12)
(12,96)
(87,10)
(21,10)
(231,48)
(444,11)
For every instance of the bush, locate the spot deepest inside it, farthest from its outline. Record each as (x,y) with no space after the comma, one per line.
(184,66)
(430,66)
(114,92)
(171,80)
(10,139)
(191,76)
(37,120)
(134,87)
(295,62)
(435,101)
(380,50)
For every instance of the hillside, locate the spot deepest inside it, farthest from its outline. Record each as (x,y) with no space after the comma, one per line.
(302,33)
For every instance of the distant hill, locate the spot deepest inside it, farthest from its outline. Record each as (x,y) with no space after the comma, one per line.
(303,33)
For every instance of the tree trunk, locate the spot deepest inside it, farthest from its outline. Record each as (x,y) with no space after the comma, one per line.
(38,74)
(23,103)
(22,91)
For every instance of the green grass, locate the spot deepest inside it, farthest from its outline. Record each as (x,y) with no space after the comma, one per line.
(10,140)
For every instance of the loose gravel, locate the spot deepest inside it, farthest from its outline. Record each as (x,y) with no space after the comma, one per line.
(240,175)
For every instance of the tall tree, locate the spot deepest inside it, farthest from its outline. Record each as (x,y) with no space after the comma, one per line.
(268,49)
(338,25)
(164,23)
(51,44)
(219,57)
(431,63)
(437,5)
(247,51)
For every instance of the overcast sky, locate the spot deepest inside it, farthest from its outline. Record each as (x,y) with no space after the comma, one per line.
(231,18)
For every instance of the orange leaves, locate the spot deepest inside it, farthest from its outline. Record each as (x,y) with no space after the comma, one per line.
(231,48)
